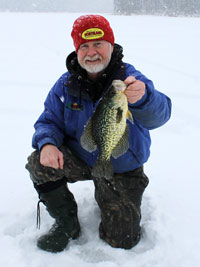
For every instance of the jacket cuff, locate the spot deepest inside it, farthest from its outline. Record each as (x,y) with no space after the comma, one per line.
(46,141)
(139,102)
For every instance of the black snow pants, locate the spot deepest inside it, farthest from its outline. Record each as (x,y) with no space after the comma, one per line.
(119,200)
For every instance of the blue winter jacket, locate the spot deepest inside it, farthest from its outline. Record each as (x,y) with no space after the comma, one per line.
(63,121)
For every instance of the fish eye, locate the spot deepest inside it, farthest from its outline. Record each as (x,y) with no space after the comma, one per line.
(112,92)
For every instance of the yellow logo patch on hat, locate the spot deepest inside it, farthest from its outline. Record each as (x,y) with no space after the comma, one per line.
(92,33)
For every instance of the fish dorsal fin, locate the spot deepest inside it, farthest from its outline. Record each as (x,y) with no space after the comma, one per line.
(123,145)
(129,116)
(87,140)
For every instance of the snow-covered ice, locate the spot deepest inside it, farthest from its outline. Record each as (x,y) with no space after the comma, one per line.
(32,57)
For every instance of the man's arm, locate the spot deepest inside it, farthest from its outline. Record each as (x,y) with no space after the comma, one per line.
(50,128)
(149,106)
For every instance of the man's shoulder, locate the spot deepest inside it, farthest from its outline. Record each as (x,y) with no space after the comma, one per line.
(64,78)
(60,85)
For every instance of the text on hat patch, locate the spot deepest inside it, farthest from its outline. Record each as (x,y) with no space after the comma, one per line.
(92,33)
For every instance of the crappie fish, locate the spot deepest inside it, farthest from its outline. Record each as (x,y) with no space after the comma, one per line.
(107,129)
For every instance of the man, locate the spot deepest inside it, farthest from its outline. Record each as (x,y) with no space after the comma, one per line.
(59,157)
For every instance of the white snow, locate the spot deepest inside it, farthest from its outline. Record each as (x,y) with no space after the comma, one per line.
(32,58)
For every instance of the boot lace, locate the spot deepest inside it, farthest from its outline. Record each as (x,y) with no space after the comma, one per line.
(38,213)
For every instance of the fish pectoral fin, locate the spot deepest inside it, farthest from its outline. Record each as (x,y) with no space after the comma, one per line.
(87,140)
(129,116)
(122,146)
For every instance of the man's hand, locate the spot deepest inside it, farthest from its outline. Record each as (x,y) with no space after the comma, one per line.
(135,89)
(51,156)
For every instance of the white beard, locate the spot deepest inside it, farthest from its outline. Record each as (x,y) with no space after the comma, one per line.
(95,68)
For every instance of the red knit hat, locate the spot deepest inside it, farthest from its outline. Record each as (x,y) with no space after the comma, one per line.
(90,28)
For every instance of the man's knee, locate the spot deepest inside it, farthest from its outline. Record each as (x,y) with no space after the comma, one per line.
(74,168)
(127,240)
(40,174)
(120,202)
(120,224)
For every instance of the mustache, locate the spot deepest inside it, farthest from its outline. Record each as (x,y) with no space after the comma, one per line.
(93,58)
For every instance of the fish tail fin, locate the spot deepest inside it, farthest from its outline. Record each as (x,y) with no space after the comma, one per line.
(102,169)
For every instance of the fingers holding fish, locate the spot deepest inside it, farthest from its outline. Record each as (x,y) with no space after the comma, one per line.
(129,80)
(135,89)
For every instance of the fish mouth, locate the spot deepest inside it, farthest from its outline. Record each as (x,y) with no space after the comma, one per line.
(119,85)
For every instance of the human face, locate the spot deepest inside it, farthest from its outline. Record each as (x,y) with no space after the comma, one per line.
(94,56)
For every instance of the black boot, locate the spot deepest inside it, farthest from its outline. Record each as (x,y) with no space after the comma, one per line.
(61,205)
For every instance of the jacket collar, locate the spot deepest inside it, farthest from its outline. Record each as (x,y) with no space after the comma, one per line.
(93,89)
